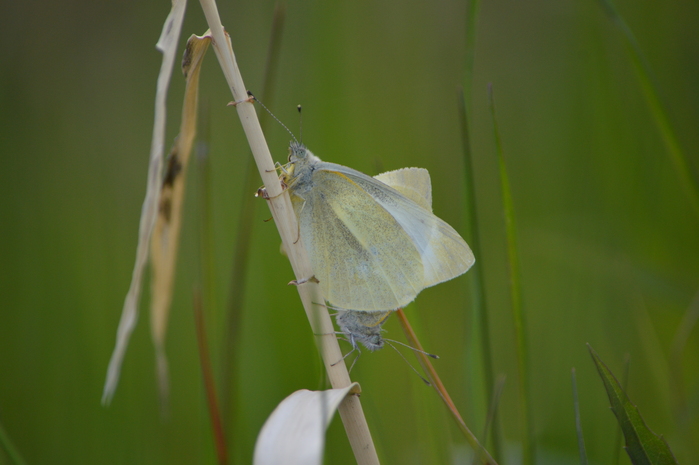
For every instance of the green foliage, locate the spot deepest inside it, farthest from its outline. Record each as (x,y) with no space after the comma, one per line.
(643,446)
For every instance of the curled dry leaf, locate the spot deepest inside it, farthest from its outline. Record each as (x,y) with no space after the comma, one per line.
(163,247)
(295,432)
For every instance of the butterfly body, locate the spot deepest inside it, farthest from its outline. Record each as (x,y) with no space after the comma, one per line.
(364,327)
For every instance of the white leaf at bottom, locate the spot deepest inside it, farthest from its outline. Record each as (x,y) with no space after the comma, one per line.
(295,432)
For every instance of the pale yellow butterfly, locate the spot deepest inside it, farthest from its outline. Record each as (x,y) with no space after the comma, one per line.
(373,243)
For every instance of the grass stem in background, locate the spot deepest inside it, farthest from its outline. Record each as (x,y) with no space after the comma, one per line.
(207,251)
(649,87)
(529,453)
(472,12)
(624,385)
(209,383)
(279,203)
(493,408)
(578,423)
(436,382)
(480,328)
(10,449)
(246,226)
(689,321)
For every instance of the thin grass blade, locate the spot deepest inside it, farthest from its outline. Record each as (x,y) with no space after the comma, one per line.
(619,433)
(279,203)
(481,326)
(578,423)
(492,408)
(209,383)
(245,232)
(687,325)
(474,7)
(10,449)
(649,87)
(529,454)
(481,453)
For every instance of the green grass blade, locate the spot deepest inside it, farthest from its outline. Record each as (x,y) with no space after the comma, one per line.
(479,306)
(492,411)
(687,325)
(529,454)
(649,87)
(245,231)
(624,385)
(9,448)
(642,444)
(578,424)
(474,7)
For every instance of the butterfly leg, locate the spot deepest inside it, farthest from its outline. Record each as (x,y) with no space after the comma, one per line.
(250,99)
(312,279)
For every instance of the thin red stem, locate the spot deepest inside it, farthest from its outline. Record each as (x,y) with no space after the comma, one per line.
(208,378)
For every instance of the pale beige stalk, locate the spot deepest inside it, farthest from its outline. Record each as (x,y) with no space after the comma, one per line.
(285,219)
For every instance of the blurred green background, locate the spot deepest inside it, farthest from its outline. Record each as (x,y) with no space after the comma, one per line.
(608,240)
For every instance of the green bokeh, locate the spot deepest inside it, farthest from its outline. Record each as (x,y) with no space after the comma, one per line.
(609,243)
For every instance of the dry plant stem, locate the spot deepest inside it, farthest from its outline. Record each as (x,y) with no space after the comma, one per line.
(424,360)
(285,219)
(209,384)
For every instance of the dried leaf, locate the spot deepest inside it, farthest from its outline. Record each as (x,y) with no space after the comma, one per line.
(163,247)
(295,432)
(167,44)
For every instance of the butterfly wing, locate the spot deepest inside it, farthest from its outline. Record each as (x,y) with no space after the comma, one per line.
(359,252)
(414,183)
(371,247)
(443,252)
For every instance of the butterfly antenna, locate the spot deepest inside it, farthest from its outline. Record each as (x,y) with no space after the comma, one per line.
(406,360)
(272,115)
(300,123)
(412,348)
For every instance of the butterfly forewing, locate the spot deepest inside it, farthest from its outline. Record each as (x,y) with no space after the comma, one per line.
(362,256)
(443,253)
(373,247)
(414,183)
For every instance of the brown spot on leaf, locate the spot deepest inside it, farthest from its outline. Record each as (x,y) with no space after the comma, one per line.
(174,167)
